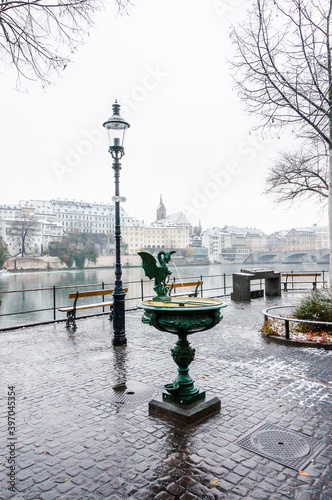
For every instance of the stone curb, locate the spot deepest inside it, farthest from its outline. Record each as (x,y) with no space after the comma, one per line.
(296,343)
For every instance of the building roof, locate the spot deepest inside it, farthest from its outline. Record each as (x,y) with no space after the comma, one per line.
(242,231)
(178,218)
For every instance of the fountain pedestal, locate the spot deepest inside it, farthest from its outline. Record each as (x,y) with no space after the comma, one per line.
(182,400)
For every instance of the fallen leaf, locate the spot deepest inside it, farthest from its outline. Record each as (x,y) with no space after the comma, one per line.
(214,482)
(67,480)
(303,473)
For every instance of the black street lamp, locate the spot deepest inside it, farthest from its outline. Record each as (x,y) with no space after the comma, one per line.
(116,127)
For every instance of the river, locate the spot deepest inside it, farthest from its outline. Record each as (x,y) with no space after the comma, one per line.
(40,293)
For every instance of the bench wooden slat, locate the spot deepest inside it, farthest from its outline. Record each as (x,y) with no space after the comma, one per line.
(295,282)
(295,275)
(189,283)
(192,293)
(93,293)
(90,293)
(86,306)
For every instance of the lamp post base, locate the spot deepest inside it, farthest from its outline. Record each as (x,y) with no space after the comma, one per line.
(119,327)
(119,340)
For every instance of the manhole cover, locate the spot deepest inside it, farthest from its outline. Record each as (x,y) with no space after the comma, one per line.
(281,444)
(128,393)
(285,447)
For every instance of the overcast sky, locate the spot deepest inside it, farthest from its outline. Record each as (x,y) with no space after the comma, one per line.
(189,139)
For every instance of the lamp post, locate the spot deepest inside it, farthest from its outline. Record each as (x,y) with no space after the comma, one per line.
(116,127)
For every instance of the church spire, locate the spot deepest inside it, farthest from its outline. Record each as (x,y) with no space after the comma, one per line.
(161,210)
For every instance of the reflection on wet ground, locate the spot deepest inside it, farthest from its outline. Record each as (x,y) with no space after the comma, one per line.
(72,442)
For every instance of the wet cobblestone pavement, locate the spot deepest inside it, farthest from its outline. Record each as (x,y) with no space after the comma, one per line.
(74,444)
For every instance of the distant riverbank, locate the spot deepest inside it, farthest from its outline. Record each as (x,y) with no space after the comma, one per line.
(47,263)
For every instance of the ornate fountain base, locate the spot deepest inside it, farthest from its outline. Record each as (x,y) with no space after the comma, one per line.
(189,414)
(182,401)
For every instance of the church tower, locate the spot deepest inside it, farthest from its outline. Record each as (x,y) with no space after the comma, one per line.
(161,210)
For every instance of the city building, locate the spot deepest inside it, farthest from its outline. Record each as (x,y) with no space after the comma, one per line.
(300,238)
(247,237)
(156,235)
(50,220)
(80,216)
(20,225)
(179,219)
(215,241)
(195,241)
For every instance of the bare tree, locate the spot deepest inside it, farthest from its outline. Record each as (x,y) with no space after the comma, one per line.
(23,229)
(38,37)
(300,174)
(283,69)
(3,252)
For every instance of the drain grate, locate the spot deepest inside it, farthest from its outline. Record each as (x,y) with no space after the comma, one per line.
(128,394)
(288,448)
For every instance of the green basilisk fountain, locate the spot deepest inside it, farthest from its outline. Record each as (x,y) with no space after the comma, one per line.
(181,316)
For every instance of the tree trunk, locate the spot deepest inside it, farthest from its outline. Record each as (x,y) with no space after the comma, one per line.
(330,212)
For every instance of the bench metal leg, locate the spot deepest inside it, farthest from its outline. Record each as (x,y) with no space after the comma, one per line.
(71,317)
(111,313)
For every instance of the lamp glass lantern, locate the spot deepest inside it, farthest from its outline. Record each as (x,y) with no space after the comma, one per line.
(116,127)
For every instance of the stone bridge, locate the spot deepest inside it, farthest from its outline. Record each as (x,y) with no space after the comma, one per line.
(321,256)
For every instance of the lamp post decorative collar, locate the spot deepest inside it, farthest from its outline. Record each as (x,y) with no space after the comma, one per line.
(116,127)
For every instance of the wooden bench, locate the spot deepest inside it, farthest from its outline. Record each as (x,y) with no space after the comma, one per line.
(297,275)
(71,310)
(192,293)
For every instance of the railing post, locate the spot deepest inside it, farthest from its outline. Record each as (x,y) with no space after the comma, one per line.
(225,289)
(292,280)
(142,289)
(287,328)
(323,273)
(54,304)
(103,296)
(201,279)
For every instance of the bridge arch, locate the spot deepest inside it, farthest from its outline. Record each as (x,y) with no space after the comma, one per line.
(300,257)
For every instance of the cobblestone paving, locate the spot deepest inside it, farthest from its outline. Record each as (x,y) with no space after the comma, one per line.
(73,444)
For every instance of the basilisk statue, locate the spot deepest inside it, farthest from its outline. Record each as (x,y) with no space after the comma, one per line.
(160,274)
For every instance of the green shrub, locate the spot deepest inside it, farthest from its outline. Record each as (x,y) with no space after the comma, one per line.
(317,307)
(269,327)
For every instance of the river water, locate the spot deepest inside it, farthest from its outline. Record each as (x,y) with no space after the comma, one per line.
(39,293)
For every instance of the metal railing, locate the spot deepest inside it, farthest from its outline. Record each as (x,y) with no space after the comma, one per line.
(287,320)
(12,308)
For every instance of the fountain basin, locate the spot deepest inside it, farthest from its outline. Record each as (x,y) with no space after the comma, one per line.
(186,315)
